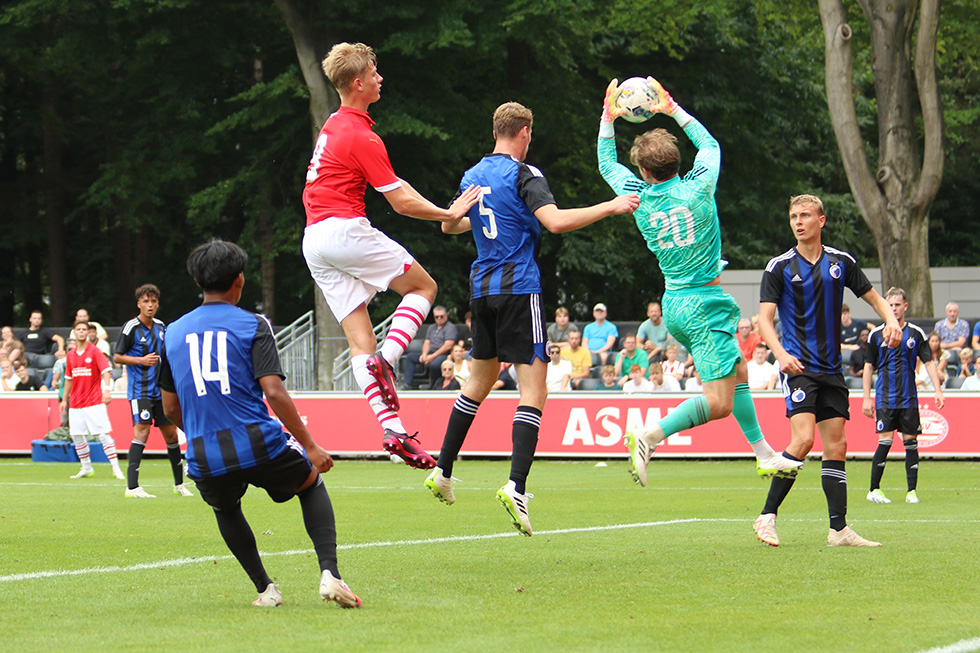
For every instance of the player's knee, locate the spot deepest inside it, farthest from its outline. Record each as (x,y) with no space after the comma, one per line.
(885,442)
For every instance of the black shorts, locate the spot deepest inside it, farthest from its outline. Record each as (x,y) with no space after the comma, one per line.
(903,420)
(281,478)
(824,395)
(509,328)
(148,411)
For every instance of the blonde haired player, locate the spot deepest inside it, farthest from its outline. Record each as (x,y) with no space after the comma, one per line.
(349,259)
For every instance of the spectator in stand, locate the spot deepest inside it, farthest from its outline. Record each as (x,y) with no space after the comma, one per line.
(747,339)
(558,332)
(600,336)
(975,344)
(58,379)
(447,381)
(671,366)
(662,381)
(967,363)
(101,345)
(26,381)
(38,339)
(439,340)
(630,355)
(693,383)
(859,355)
(81,315)
(652,334)
(953,332)
(579,356)
(940,357)
(8,380)
(850,329)
(463,334)
(762,373)
(11,347)
(461,366)
(559,371)
(608,379)
(637,381)
(506,380)
(972,383)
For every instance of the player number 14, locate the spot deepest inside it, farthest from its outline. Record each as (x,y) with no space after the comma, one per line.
(202,364)
(676,228)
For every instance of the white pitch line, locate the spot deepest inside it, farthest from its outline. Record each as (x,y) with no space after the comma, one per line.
(962,646)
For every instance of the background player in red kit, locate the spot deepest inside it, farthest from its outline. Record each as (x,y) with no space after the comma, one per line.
(349,259)
(88,381)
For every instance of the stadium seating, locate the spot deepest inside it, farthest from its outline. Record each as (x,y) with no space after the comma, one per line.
(955,382)
(588,384)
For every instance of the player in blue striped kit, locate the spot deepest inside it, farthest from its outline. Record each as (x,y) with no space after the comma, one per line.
(218,362)
(678,219)
(896,402)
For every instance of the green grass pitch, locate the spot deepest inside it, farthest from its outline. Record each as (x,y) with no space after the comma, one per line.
(611,567)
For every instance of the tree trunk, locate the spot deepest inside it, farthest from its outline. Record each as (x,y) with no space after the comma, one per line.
(896,197)
(54,209)
(122,269)
(323,101)
(268,251)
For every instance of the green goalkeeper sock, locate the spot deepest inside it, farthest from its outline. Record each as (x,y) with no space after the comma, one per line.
(743,409)
(692,412)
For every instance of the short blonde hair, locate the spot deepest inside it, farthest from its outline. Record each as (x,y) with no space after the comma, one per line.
(561,310)
(608,369)
(656,368)
(510,118)
(806,199)
(346,62)
(656,152)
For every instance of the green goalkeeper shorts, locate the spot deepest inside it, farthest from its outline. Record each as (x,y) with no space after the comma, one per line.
(704,320)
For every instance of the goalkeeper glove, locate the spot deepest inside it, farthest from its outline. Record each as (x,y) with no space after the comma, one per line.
(666,104)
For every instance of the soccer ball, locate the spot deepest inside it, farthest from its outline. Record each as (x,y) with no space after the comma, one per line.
(634,98)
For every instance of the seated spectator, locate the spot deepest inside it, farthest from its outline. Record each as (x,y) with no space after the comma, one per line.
(464,336)
(671,366)
(121,384)
(608,379)
(100,344)
(600,336)
(967,363)
(859,355)
(630,355)
(559,376)
(693,383)
(558,332)
(439,340)
(461,366)
(11,347)
(940,357)
(8,380)
(579,356)
(953,332)
(38,340)
(81,315)
(850,328)
(447,381)
(975,345)
(747,339)
(972,382)
(762,373)
(26,381)
(637,382)
(662,381)
(506,379)
(652,334)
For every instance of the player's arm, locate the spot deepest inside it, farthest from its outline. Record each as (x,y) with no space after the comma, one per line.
(64,399)
(106,385)
(788,364)
(891,334)
(867,406)
(282,405)
(408,201)
(936,383)
(559,221)
(171,408)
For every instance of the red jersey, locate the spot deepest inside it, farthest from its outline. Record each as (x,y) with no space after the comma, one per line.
(85,372)
(348,156)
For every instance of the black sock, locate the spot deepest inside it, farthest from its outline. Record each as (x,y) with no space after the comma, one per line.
(240,540)
(133,466)
(527,422)
(834,481)
(778,489)
(320,524)
(173,453)
(464,411)
(878,463)
(912,463)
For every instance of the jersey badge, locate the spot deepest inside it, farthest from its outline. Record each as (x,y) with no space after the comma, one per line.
(910,343)
(798,395)
(835,271)
(144,415)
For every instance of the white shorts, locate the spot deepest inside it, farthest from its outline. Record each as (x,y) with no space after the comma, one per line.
(91,420)
(351,261)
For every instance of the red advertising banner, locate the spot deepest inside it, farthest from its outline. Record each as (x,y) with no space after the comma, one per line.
(576,424)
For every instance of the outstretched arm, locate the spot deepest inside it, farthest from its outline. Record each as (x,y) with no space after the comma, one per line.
(558,221)
(408,201)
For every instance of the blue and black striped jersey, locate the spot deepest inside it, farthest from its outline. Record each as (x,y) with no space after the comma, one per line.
(895,386)
(809,298)
(214,357)
(136,339)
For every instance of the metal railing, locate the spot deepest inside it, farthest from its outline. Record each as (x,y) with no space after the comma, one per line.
(343,377)
(297,352)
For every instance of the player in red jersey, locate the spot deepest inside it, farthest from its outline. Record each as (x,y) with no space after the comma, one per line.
(349,259)
(88,382)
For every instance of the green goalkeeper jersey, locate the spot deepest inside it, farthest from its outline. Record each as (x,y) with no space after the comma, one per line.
(678,218)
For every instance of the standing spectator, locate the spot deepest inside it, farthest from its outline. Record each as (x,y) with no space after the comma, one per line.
(8,380)
(139,347)
(600,336)
(609,383)
(26,381)
(350,260)
(461,366)
(967,362)
(629,356)
(88,384)
(896,403)
(439,340)
(850,329)
(810,360)
(747,339)
(447,381)
(38,339)
(579,356)
(637,381)
(762,373)
(856,366)
(11,347)
(652,334)
(81,315)
(558,332)
(953,332)
(940,357)
(559,374)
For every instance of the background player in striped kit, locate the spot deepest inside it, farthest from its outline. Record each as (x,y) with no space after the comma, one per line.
(139,346)
(505,296)
(896,402)
(806,284)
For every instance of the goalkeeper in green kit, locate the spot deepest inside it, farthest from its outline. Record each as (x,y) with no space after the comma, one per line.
(679,221)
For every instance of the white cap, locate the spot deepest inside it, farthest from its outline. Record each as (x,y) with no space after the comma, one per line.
(599,307)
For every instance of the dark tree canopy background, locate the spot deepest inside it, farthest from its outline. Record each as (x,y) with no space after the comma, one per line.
(132,130)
